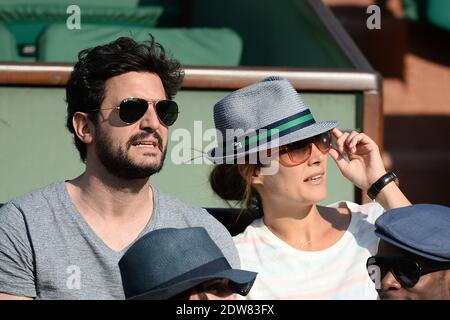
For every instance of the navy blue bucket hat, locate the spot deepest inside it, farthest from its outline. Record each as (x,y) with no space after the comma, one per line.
(166,262)
(423,229)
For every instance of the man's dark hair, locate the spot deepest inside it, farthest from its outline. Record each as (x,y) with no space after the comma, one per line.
(85,89)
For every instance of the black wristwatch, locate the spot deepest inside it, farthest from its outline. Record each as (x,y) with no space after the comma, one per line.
(375,188)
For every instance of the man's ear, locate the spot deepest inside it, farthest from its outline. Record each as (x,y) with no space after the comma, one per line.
(84,128)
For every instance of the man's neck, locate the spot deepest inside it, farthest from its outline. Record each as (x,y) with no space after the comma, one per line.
(115,210)
(109,196)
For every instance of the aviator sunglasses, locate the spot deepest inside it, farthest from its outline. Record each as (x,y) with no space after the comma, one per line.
(132,109)
(406,270)
(298,152)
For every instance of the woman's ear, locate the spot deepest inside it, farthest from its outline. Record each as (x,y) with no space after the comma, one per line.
(83,127)
(257,178)
(251,173)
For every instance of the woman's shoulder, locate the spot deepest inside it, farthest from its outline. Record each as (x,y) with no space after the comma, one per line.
(368,211)
(254,230)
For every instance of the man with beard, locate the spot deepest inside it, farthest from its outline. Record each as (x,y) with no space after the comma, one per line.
(64,241)
(413,258)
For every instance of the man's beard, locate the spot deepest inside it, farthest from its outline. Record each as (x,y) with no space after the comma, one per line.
(119,164)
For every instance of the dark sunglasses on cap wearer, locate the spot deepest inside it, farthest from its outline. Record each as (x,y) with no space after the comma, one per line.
(406,270)
(298,152)
(132,109)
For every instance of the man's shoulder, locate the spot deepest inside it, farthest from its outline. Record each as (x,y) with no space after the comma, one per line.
(175,210)
(169,200)
(35,200)
(31,211)
(177,213)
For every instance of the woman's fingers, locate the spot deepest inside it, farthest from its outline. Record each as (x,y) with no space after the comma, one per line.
(340,142)
(350,142)
(338,158)
(343,140)
(336,132)
(362,140)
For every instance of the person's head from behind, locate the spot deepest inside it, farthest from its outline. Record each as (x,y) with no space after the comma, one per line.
(120,106)
(298,149)
(413,258)
(180,264)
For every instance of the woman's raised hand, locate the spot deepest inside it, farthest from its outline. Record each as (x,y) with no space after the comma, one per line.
(364,165)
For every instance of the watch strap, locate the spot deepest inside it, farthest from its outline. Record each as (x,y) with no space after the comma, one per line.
(385,179)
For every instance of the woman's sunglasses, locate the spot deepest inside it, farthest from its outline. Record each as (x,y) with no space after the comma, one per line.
(406,270)
(132,109)
(298,152)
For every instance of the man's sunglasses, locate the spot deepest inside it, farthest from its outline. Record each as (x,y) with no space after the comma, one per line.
(298,152)
(132,109)
(406,270)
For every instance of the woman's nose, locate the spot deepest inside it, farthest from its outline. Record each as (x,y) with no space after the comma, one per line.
(316,156)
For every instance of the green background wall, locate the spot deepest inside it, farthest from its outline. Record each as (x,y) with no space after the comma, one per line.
(36,149)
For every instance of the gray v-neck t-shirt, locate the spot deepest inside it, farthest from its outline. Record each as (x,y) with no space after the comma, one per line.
(48,251)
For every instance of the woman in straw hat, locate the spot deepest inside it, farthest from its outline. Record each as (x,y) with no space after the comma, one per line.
(272,154)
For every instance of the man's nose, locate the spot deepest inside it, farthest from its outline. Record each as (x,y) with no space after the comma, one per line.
(389,282)
(150,119)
